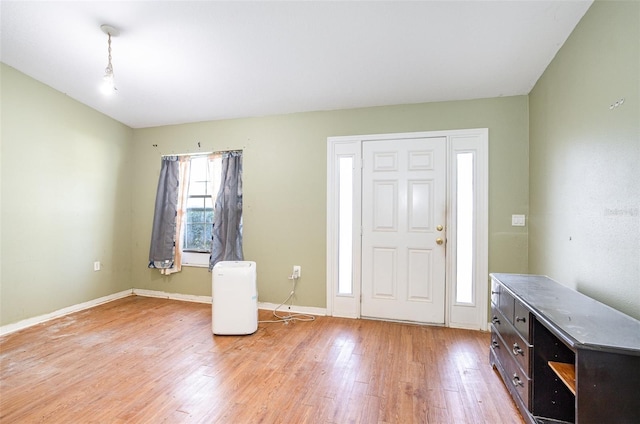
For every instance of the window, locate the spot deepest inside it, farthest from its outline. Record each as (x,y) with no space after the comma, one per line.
(345,225)
(464,227)
(204,183)
(197,234)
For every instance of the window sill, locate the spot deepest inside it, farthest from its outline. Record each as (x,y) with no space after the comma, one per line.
(195,265)
(195,259)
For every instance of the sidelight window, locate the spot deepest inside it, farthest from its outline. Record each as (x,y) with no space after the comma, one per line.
(345,230)
(464,227)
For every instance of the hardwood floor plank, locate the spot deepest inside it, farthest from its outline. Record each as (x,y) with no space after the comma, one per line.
(146,360)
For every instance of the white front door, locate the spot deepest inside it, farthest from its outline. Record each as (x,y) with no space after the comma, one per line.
(403,222)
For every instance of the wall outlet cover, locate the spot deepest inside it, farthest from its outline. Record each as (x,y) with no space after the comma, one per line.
(517,220)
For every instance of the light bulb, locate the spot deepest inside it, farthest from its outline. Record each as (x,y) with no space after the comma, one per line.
(108,86)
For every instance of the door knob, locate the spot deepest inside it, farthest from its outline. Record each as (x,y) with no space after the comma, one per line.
(439,240)
(439,228)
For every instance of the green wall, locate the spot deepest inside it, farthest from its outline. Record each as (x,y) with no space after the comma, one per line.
(585,160)
(79,187)
(66,200)
(285,186)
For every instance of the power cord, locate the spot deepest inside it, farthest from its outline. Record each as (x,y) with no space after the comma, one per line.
(290,317)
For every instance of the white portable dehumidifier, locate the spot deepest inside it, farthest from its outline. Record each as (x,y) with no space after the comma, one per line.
(235,298)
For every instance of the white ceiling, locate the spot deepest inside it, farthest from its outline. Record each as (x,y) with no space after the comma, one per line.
(189,61)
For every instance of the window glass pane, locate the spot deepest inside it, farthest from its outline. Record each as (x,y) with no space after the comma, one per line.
(190,236)
(199,168)
(464,228)
(202,184)
(195,215)
(197,188)
(208,216)
(198,233)
(208,236)
(345,225)
(215,171)
(195,202)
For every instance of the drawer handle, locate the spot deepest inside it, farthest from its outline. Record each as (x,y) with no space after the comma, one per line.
(521,319)
(495,320)
(516,380)
(492,292)
(495,344)
(517,350)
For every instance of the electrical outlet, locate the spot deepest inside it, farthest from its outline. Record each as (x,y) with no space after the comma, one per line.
(297,271)
(517,220)
(96,266)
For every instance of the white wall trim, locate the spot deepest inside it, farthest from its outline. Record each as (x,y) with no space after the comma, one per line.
(470,316)
(195,259)
(311,310)
(172,296)
(343,305)
(474,327)
(29,322)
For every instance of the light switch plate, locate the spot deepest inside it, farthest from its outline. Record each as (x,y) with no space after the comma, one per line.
(517,220)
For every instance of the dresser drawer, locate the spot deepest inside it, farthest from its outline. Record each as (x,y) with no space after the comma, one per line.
(522,320)
(497,319)
(506,305)
(512,309)
(516,380)
(520,349)
(495,292)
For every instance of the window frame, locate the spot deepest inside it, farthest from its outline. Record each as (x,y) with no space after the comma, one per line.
(192,257)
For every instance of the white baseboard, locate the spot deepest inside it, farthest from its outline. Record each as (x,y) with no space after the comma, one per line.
(311,310)
(466,326)
(16,326)
(207,299)
(173,296)
(11,328)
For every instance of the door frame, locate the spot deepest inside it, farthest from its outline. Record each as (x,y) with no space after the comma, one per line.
(476,141)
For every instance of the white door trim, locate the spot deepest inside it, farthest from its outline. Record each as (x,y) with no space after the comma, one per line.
(472,315)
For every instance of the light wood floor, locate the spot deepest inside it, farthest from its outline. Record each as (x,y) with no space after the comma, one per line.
(146,360)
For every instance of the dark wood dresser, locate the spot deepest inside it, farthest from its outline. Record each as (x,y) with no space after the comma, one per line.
(565,358)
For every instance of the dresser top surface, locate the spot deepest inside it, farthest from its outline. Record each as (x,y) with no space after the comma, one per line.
(583,321)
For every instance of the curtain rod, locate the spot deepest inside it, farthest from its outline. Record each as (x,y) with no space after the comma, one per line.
(220,152)
(190,154)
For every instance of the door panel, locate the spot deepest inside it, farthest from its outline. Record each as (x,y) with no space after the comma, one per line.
(385,214)
(419,281)
(403,200)
(384,273)
(420,199)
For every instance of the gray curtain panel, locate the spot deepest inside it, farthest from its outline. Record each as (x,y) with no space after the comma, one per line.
(227,213)
(161,252)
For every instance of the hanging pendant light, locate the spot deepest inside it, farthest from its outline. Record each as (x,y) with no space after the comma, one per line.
(108,86)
